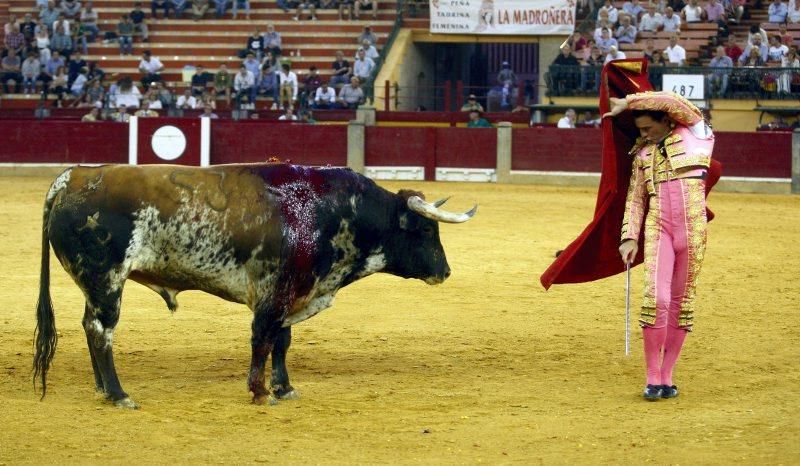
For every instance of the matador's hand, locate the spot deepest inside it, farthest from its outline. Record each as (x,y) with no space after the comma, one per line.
(617,106)
(628,250)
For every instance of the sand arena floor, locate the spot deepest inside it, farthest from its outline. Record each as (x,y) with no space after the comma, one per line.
(484,368)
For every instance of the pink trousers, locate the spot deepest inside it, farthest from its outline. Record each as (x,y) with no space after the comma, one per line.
(675,242)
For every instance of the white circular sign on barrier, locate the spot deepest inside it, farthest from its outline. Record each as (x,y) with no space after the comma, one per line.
(168,142)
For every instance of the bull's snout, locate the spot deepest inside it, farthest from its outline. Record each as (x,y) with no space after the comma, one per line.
(438,279)
(446,272)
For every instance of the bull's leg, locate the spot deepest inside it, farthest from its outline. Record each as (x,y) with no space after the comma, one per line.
(99,326)
(281,387)
(266,327)
(98,379)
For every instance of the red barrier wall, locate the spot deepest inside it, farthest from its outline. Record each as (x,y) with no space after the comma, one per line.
(554,149)
(256,141)
(387,146)
(466,147)
(763,154)
(43,141)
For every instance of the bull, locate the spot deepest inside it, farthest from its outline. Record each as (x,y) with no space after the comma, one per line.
(281,239)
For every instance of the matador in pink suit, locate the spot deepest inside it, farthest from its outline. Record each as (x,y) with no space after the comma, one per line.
(666,199)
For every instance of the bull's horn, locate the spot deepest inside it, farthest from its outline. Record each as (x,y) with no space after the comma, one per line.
(441,202)
(431,211)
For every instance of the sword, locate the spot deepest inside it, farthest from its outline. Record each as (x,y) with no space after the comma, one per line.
(627,309)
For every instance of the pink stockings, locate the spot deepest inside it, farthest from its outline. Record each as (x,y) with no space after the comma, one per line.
(675,237)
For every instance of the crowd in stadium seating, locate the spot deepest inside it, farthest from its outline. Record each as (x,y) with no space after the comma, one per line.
(576,70)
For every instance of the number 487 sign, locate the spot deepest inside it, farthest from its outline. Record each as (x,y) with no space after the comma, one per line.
(691,86)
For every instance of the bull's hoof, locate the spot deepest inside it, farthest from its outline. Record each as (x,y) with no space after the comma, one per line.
(286,393)
(126,403)
(261,400)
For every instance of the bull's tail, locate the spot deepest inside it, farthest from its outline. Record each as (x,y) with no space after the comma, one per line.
(45,336)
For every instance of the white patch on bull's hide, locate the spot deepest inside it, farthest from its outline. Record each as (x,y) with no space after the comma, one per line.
(191,247)
(353,203)
(403,221)
(99,331)
(59,184)
(376,262)
(324,291)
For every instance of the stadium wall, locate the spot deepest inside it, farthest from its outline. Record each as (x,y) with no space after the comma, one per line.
(760,162)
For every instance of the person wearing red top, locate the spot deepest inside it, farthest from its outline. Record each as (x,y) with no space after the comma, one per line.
(732,49)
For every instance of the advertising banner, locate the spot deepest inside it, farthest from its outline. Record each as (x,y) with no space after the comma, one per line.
(503,17)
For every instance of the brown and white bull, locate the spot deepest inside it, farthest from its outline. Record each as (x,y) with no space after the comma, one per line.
(281,239)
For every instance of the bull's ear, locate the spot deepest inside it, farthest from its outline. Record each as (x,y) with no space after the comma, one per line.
(406,193)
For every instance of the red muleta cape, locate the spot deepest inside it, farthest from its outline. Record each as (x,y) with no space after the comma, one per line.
(594,254)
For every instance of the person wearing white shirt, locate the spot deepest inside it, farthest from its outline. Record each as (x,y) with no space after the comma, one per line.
(151,67)
(614,54)
(363,66)
(288,115)
(244,83)
(568,121)
(692,13)
(325,97)
(77,86)
(671,21)
(651,21)
(777,12)
(776,50)
(612,11)
(676,55)
(369,50)
(187,100)
(126,94)
(287,80)
(626,33)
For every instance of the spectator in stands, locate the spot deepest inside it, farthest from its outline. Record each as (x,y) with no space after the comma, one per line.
(58,86)
(310,85)
(590,121)
(648,50)
(64,23)
(305,5)
(472,104)
(255,44)
(325,97)
(75,65)
(786,38)
(587,51)
(288,87)
(577,42)
(11,66)
(252,65)
(714,11)
(220,6)
(15,40)
(626,33)
(270,62)
(776,50)
(70,8)
(199,9)
(568,120)
(777,12)
(789,78)
(92,116)
(762,49)
(365,5)
(288,115)
(94,72)
(244,83)
(61,42)
(208,99)
(50,66)
(565,71)
(351,95)
(732,49)
(598,32)
(676,55)
(95,92)
(42,44)
(610,10)
(590,73)
(658,59)
(369,50)
(121,115)
(145,111)
(362,69)
(200,80)
(151,68)
(752,59)
(476,121)
(139,24)
(244,4)
(346,5)
(633,9)
(28,28)
(606,41)
(693,12)
(9,25)
(125,35)
(165,5)
(367,34)
(272,40)
(267,85)
(307,117)
(30,70)
(127,94)
(163,94)
(179,6)
(152,100)
(721,66)
(614,54)
(49,15)
(186,101)
(757,30)
(81,37)
(793,13)
(671,21)
(651,21)
(208,112)
(341,70)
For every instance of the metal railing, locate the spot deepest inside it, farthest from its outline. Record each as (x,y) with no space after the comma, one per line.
(721,83)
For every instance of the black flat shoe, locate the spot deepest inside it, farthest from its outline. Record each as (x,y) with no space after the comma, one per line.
(652,392)
(669,391)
